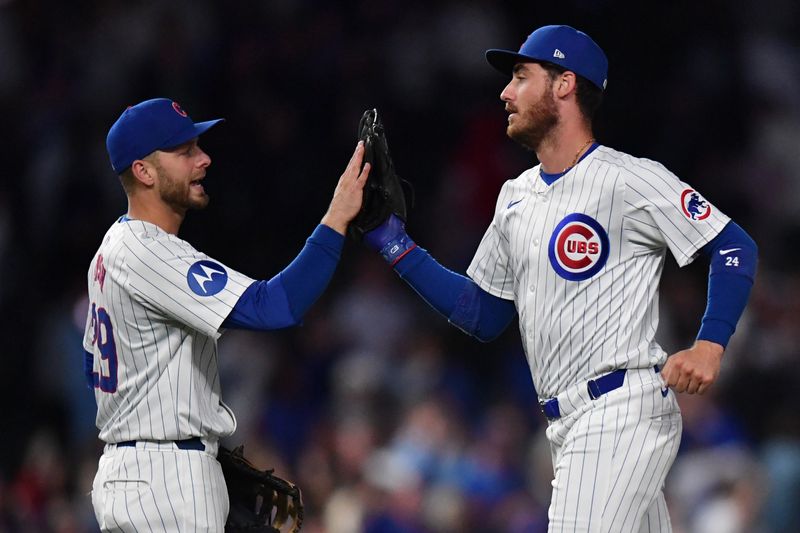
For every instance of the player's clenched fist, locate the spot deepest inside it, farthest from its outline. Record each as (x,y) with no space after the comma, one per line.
(695,369)
(349,193)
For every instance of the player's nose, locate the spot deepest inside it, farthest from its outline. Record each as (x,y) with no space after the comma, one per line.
(204,160)
(506,94)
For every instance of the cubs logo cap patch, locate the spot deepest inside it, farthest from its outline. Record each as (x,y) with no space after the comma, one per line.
(156,124)
(560,45)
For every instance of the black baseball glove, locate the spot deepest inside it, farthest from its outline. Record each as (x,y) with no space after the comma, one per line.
(383,192)
(260,501)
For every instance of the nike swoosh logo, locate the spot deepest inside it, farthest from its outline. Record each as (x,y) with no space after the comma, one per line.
(512,204)
(729,250)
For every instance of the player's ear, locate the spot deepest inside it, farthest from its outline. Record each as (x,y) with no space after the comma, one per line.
(144,172)
(565,84)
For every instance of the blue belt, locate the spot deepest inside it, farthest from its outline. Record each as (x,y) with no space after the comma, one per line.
(597,387)
(188,444)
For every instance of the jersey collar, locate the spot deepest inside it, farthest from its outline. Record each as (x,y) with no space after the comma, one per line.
(551,178)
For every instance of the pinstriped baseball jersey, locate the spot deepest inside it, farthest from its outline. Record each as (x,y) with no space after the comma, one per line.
(582,258)
(156,306)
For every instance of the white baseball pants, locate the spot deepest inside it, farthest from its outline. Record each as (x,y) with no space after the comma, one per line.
(158,487)
(611,457)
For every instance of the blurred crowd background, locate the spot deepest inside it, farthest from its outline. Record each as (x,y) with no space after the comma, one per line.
(389,419)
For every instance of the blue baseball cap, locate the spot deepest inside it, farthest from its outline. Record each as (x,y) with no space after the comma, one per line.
(560,45)
(156,124)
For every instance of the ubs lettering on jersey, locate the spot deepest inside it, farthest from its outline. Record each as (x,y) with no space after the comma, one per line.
(578,247)
(694,206)
(206,278)
(100,272)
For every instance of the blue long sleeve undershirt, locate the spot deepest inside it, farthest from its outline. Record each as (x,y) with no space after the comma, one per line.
(734,256)
(485,316)
(458,298)
(283,300)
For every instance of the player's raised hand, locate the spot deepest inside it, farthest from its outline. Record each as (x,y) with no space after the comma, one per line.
(349,193)
(695,369)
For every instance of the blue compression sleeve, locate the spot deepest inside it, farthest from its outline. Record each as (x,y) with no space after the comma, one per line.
(283,300)
(733,255)
(458,298)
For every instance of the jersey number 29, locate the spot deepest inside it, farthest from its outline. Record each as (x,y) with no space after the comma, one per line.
(104,340)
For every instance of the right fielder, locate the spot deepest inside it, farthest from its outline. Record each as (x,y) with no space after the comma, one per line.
(576,247)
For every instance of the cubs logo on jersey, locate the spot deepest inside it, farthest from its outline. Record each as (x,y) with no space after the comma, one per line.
(206,278)
(578,247)
(694,206)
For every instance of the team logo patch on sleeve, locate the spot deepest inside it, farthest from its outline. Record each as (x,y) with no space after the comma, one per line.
(578,247)
(206,278)
(695,207)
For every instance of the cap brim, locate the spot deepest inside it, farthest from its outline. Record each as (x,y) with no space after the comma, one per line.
(190,133)
(202,127)
(504,60)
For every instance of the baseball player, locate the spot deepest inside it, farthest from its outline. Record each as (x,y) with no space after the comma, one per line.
(576,248)
(157,308)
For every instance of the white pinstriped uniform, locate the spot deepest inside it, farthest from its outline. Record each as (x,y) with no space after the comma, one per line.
(606,224)
(153,333)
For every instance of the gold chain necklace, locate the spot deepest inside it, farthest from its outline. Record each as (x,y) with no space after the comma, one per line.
(578,154)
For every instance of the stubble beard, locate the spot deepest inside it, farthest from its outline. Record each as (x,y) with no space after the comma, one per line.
(538,121)
(178,195)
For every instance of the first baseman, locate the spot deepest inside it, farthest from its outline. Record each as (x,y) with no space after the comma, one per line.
(157,308)
(576,248)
